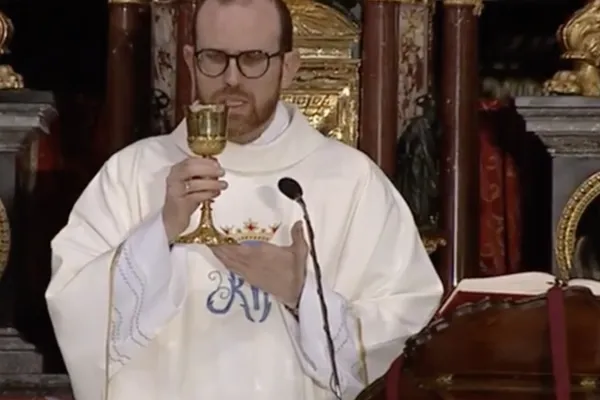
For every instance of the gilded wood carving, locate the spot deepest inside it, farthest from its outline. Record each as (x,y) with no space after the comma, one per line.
(580,39)
(326,87)
(566,230)
(9,79)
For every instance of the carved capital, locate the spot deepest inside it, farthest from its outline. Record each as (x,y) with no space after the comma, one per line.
(476,4)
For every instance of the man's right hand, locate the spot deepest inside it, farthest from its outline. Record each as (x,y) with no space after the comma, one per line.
(189,183)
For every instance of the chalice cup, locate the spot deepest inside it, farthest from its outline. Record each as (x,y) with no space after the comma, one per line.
(206,137)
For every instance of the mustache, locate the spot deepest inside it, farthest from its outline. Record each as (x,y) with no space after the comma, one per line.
(232,94)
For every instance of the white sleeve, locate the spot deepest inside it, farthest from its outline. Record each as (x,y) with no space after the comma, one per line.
(385,290)
(148,290)
(311,344)
(107,238)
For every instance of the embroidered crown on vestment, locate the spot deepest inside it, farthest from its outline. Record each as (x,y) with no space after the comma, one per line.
(251,231)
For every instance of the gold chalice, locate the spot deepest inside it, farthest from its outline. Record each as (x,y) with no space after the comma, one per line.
(206,137)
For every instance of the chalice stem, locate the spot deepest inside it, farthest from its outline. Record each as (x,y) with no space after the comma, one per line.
(206,233)
(206,218)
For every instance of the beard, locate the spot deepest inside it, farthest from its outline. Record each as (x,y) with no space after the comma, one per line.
(244,122)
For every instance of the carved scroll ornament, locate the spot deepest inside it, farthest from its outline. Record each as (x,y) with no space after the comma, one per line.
(9,79)
(580,39)
(566,230)
(326,87)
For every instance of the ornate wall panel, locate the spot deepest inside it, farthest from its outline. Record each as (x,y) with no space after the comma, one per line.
(415,36)
(164,58)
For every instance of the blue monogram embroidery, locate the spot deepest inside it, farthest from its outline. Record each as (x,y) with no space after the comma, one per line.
(230,287)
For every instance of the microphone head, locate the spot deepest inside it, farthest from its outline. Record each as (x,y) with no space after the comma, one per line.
(291,188)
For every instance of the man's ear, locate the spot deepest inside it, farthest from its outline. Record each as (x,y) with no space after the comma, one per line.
(190,61)
(291,65)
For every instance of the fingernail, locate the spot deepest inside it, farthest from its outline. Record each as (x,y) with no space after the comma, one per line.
(223,184)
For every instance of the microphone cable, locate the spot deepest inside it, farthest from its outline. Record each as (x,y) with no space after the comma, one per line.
(334,381)
(293,191)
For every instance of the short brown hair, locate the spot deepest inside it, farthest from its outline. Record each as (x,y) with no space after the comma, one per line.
(286,40)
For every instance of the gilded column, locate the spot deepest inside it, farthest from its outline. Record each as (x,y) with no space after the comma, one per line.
(128,78)
(379,103)
(185,35)
(415,38)
(460,152)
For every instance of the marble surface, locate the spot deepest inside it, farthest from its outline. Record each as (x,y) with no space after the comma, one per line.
(28,386)
(560,116)
(18,356)
(23,111)
(569,129)
(36,397)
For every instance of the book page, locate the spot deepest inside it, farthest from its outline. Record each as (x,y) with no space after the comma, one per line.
(520,284)
(591,284)
(523,283)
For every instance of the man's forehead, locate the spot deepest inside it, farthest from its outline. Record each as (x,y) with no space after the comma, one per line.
(236,25)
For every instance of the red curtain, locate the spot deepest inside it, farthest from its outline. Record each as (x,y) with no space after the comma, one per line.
(501,150)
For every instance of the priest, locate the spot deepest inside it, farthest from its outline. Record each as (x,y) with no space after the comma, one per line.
(138,317)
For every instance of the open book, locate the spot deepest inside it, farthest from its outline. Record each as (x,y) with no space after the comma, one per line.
(507,287)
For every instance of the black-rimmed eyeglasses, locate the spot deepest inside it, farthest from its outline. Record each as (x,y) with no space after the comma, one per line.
(252,63)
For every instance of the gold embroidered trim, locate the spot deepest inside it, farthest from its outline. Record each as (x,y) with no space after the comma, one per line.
(113,264)
(362,354)
(476,4)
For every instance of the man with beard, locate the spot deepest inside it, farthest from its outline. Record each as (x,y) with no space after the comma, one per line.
(237,321)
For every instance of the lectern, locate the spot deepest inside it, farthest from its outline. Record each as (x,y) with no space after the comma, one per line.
(498,346)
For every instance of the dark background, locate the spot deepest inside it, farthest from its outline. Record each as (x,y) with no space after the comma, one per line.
(61,45)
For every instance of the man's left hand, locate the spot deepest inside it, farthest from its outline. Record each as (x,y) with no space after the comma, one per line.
(278,270)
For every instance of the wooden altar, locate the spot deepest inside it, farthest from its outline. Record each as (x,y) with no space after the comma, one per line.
(526,347)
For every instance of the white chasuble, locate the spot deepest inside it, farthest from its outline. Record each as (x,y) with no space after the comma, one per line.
(182,327)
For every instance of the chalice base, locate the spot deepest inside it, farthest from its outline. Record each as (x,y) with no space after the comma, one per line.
(207,235)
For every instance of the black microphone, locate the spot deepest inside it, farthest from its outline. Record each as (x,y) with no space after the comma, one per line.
(292,190)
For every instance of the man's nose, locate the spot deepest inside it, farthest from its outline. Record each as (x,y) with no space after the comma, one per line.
(232,74)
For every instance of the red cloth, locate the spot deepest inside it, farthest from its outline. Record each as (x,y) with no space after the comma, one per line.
(500,193)
(392,387)
(558,342)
